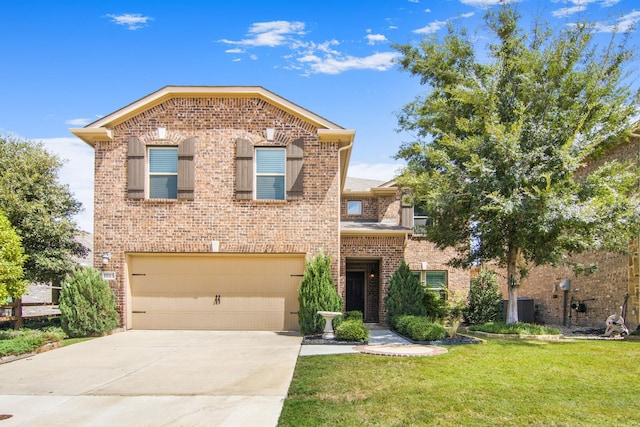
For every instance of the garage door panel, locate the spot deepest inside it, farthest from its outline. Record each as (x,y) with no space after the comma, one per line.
(257,292)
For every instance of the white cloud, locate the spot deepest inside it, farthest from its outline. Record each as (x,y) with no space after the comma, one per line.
(78,122)
(566,11)
(623,23)
(332,65)
(609,3)
(378,171)
(271,34)
(432,28)
(375,38)
(77,173)
(133,21)
(484,4)
(427,10)
(234,50)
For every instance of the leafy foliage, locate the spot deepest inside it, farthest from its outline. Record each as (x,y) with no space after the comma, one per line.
(420,328)
(435,305)
(27,340)
(317,292)
(87,304)
(405,295)
(503,139)
(515,328)
(352,330)
(40,209)
(12,260)
(484,298)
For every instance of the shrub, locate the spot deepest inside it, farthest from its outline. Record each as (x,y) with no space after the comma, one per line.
(484,299)
(515,328)
(435,305)
(405,296)
(353,315)
(12,259)
(87,304)
(317,292)
(420,328)
(352,330)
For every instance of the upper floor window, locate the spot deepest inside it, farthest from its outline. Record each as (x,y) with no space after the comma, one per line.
(270,173)
(354,207)
(420,219)
(163,173)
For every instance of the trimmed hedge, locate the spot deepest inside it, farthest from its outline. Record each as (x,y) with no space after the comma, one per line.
(420,328)
(352,330)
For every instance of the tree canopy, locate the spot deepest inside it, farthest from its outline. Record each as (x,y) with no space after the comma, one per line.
(40,208)
(503,138)
(12,258)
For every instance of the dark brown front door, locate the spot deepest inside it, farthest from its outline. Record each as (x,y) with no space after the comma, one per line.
(355,291)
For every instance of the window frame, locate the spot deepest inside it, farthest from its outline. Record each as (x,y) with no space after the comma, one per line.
(422,275)
(420,228)
(356,203)
(149,174)
(282,174)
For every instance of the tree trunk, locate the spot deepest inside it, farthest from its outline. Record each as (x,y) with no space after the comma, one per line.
(513,282)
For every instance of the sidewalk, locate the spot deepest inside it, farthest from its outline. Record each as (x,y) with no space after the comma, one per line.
(376,337)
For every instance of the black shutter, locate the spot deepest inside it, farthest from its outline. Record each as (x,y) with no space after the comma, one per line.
(294,169)
(186,169)
(135,169)
(244,169)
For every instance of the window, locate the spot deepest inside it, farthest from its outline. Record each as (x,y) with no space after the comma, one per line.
(354,207)
(433,280)
(163,173)
(420,219)
(270,174)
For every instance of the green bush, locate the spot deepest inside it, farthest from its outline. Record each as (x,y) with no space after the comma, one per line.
(515,328)
(405,295)
(484,299)
(27,340)
(435,305)
(87,304)
(420,328)
(317,292)
(353,315)
(352,330)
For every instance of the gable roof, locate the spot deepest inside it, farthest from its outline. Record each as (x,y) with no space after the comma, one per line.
(100,129)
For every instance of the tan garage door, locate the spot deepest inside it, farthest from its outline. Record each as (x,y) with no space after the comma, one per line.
(216,292)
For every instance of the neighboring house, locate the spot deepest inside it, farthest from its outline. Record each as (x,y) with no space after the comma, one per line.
(208,201)
(590,299)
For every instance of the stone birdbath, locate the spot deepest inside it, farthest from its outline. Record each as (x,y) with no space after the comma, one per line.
(328,325)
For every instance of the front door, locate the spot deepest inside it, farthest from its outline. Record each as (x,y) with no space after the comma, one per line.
(355,291)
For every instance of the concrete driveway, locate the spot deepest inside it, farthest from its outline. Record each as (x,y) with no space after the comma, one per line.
(153,378)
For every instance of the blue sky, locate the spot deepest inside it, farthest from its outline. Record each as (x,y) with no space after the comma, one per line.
(66,64)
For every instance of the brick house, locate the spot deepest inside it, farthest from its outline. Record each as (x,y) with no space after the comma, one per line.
(590,299)
(208,200)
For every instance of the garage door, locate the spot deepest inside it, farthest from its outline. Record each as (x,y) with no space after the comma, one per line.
(216,292)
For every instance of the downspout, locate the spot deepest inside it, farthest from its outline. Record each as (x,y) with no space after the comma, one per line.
(341,179)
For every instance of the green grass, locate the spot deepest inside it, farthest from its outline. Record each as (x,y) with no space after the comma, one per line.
(16,342)
(515,328)
(501,383)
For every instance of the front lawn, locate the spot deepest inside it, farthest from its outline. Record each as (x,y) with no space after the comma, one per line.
(501,383)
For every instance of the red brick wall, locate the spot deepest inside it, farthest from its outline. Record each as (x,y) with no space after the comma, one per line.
(301,226)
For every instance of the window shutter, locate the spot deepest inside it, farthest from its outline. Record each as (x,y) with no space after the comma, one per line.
(294,169)
(244,169)
(406,216)
(135,169)
(186,169)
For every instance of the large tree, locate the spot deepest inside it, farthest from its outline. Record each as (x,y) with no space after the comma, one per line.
(503,138)
(40,208)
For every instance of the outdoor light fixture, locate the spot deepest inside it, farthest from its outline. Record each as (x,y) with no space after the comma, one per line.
(372,276)
(270,132)
(105,258)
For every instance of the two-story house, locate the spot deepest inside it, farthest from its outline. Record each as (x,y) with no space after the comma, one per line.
(208,201)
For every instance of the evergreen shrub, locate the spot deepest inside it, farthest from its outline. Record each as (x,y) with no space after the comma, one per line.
(420,328)
(87,304)
(317,292)
(405,295)
(484,299)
